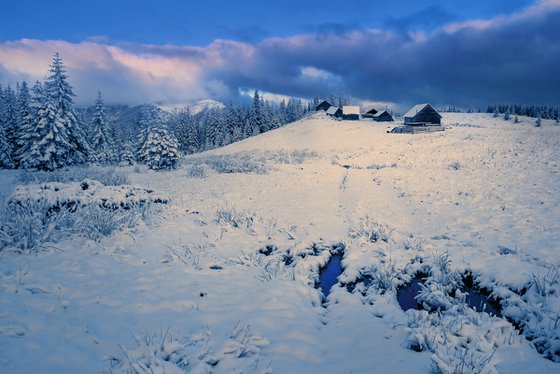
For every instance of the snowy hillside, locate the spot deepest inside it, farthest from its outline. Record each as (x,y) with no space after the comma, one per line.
(222,278)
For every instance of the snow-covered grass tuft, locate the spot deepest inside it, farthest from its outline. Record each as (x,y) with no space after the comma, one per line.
(460,339)
(382,277)
(371,230)
(441,289)
(231,164)
(546,284)
(229,216)
(197,171)
(27,225)
(153,354)
(197,353)
(295,157)
(455,165)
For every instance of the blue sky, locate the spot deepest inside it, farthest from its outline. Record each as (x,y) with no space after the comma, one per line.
(446,52)
(199,23)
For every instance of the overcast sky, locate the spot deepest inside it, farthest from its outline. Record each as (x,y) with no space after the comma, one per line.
(445,52)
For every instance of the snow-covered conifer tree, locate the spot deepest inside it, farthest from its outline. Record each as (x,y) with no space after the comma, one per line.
(215,124)
(127,153)
(60,139)
(160,149)
(188,138)
(150,117)
(24,119)
(103,150)
(256,116)
(10,115)
(6,161)
(27,132)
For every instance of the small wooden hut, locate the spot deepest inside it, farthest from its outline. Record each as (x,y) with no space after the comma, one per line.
(383,116)
(334,111)
(369,112)
(422,115)
(324,106)
(351,113)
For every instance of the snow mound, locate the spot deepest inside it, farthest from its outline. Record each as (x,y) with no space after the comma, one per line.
(86,192)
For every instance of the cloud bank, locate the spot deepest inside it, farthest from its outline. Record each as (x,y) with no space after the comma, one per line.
(512,58)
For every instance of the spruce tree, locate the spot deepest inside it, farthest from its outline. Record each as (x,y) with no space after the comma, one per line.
(150,117)
(256,116)
(188,138)
(10,116)
(61,140)
(6,161)
(127,156)
(160,149)
(27,133)
(215,124)
(24,119)
(103,149)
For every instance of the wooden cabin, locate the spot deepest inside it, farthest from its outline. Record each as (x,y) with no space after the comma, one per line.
(324,106)
(351,113)
(334,111)
(422,115)
(369,112)
(383,116)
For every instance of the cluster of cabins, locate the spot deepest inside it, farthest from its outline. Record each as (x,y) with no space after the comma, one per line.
(421,117)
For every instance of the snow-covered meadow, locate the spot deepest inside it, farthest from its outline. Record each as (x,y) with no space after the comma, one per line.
(220,276)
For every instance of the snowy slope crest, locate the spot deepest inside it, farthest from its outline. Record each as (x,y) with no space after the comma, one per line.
(195,107)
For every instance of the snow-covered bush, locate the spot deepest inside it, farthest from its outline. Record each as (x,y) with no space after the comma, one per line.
(371,230)
(107,176)
(87,192)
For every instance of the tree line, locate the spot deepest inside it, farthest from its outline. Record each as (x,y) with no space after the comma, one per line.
(40,128)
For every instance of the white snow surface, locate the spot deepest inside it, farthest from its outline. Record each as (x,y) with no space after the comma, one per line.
(194,291)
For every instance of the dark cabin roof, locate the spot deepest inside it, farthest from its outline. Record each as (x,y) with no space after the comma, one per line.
(371,110)
(324,105)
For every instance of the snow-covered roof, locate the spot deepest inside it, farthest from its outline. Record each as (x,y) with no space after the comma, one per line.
(417,108)
(348,109)
(369,109)
(380,113)
(332,110)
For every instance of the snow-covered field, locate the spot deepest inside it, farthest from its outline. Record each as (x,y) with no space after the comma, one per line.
(189,288)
